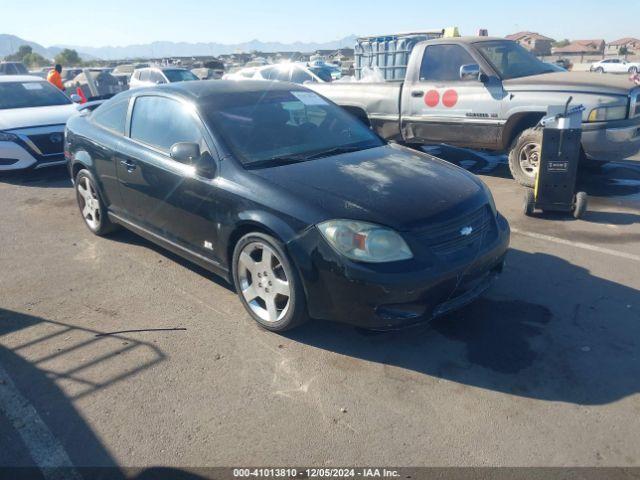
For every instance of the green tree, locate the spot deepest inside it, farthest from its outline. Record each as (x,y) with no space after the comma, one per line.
(35,60)
(22,52)
(68,57)
(624,51)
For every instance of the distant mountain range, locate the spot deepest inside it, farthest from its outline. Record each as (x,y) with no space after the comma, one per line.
(10,43)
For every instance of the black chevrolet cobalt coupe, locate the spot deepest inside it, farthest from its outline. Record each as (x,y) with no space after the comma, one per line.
(283,193)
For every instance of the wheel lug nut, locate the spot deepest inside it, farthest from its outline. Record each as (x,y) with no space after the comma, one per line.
(266,290)
(270,283)
(259,275)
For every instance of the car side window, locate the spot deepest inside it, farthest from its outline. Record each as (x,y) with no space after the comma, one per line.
(144,76)
(300,76)
(112,117)
(442,63)
(155,77)
(160,122)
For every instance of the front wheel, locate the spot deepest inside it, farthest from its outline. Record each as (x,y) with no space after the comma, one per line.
(633,70)
(267,283)
(524,156)
(599,70)
(92,208)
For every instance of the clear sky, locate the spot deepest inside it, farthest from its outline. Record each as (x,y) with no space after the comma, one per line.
(125,22)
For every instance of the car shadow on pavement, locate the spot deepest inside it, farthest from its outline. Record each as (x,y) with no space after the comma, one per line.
(52,177)
(555,333)
(34,410)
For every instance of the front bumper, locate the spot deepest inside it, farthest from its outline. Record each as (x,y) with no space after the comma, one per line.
(391,296)
(611,141)
(33,148)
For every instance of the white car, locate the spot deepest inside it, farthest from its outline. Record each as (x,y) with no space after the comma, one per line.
(33,114)
(152,76)
(283,72)
(615,65)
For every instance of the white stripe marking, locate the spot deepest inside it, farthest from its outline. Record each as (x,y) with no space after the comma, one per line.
(44,448)
(585,246)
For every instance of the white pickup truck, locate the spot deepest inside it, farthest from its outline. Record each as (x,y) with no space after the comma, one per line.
(489,93)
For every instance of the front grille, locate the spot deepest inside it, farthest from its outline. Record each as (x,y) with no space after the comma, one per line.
(49,143)
(448,238)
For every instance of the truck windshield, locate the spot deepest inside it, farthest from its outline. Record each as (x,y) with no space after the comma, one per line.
(30,94)
(511,60)
(282,126)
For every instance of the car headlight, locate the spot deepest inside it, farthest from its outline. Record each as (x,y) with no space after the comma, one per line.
(602,114)
(492,202)
(365,242)
(7,137)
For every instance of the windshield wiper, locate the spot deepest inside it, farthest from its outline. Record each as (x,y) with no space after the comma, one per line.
(336,151)
(277,161)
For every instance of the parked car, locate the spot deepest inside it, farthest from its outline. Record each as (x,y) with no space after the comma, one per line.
(149,77)
(123,72)
(564,63)
(209,70)
(32,117)
(489,93)
(615,65)
(95,84)
(282,192)
(284,72)
(13,68)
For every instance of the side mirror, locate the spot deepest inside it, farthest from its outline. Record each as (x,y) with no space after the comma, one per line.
(75,98)
(470,72)
(185,152)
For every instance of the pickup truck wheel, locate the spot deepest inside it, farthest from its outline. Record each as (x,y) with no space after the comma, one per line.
(524,156)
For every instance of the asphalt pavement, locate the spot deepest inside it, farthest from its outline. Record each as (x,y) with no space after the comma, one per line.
(115,352)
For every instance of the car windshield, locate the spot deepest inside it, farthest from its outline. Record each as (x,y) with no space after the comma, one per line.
(511,60)
(323,73)
(179,75)
(281,126)
(30,94)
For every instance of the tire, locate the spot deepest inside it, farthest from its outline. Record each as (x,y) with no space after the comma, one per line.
(271,292)
(529,203)
(524,156)
(94,214)
(581,205)
(633,70)
(599,70)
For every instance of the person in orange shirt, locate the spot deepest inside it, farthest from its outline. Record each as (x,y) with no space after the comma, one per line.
(55,78)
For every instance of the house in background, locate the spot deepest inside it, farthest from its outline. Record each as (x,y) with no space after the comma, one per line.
(533,41)
(582,49)
(631,44)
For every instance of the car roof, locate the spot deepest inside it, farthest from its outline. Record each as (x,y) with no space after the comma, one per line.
(205,90)
(20,78)
(468,39)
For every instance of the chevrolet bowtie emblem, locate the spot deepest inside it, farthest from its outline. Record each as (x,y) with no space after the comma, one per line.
(466,231)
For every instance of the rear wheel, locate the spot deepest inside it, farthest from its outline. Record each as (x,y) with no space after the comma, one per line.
(524,156)
(267,283)
(92,208)
(581,205)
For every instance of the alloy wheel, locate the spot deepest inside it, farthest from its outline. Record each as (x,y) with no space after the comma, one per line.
(263,282)
(89,203)
(530,158)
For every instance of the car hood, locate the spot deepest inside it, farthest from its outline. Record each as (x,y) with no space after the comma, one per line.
(15,118)
(388,185)
(583,82)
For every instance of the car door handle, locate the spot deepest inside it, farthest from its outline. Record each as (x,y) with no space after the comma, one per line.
(417,93)
(129,165)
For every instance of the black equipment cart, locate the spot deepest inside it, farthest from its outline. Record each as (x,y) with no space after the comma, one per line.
(558,165)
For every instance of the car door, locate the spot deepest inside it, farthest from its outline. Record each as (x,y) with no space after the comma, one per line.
(441,106)
(106,146)
(166,197)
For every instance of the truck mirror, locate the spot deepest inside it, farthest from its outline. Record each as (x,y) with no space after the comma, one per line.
(470,72)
